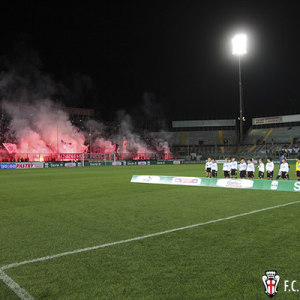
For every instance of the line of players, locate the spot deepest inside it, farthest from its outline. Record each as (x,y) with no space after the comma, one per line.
(231,168)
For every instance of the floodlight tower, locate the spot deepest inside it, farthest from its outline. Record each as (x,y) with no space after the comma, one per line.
(239,48)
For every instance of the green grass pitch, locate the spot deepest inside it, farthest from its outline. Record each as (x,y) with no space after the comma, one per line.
(49,211)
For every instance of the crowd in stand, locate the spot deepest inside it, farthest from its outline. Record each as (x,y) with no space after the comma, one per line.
(289,150)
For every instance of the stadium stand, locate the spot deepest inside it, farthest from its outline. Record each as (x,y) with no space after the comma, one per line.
(255,136)
(199,138)
(273,136)
(202,138)
(260,139)
(285,135)
(281,135)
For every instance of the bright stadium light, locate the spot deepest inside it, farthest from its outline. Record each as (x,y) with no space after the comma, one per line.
(239,44)
(239,48)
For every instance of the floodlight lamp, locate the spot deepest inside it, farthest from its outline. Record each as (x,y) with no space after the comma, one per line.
(239,44)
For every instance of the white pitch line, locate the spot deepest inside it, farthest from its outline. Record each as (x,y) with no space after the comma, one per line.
(23,295)
(142,237)
(20,292)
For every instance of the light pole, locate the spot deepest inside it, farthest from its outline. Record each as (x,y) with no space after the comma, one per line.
(239,48)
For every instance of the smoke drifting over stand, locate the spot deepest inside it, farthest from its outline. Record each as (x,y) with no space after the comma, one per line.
(38,124)
(43,127)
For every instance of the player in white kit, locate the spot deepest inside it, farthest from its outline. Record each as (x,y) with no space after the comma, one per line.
(214,168)
(270,168)
(284,170)
(261,169)
(233,168)
(250,169)
(226,168)
(242,168)
(208,167)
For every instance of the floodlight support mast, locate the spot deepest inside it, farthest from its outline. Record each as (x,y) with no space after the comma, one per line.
(241,100)
(239,48)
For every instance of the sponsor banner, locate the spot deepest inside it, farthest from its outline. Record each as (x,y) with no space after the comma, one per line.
(146,179)
(131,163)
(186,180)
(276,120)
(38,165)
(192,162)
(87,163)
(70,164)
(255,184)
(93,164)
(33,165)
(203,123)
(235,183)
(140,163)
(8,166)
(161,162)
(54,164)
(274,185)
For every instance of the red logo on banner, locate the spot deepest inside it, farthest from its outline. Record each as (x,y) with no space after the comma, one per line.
(24,166)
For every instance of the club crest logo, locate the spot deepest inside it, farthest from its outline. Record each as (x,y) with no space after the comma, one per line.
(270,281)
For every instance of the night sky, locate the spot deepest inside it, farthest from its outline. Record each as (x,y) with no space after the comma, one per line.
(110,54)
